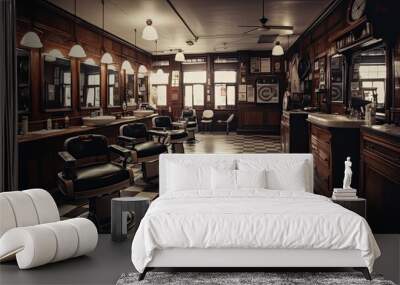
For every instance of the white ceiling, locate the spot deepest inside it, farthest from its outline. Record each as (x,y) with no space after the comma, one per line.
(214,21)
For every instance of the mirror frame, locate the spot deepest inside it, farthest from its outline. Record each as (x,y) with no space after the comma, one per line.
(23,52)
(79,87)
(344,76)
(118,71)
(43,99)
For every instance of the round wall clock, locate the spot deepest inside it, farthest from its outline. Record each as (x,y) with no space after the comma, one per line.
(357,9)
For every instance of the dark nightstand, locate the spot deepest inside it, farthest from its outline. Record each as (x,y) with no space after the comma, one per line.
(358,206)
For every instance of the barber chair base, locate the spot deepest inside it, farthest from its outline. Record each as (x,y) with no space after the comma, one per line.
(100,212)
(177,147)
(150,169)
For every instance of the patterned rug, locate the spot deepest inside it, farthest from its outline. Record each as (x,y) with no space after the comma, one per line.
(244,278)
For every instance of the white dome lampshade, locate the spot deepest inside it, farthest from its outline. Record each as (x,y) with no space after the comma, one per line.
(90,61)
(277,50)
(180,56)
(149,33)
(31,40)
(106,58)
(77,51)
(126,65)
(52,55)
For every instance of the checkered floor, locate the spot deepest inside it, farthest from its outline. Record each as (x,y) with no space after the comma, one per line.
(234,143)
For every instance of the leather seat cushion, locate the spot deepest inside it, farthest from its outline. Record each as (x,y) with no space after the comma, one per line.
(178,134)
(100,175)
(149,149)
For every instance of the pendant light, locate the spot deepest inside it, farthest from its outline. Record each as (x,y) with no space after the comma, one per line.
(180,56)
(149,33)
(52,55)
(77,50)
(106,58)
(159,72)
(31,38)
(278,49)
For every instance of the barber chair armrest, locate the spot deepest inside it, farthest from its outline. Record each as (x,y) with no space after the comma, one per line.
(159,129)
(69,164)
(161,135)
(124,140)
(122,152)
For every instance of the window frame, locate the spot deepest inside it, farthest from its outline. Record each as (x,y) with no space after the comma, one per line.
(166,95)
(198,107)
(226,107)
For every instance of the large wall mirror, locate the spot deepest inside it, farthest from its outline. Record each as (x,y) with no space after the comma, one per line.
(337,66)
(114,98)
(368,79)
(130,89)
(89,85)
(23,82)
(56,83)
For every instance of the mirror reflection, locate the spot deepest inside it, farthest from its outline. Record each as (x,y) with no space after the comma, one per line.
(337,78)
(369,76)
(56,83)
(130,90)
(114,98)
(23,82)
(89,85)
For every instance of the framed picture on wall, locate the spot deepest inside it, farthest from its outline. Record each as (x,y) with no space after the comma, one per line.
(267,93)
(250,94)
(242,93)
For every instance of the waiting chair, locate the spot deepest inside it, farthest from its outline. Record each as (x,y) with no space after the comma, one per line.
(207,119)
(31,231)
(89,173)
(144,149)
(173,135)
(190,118)
(227,122)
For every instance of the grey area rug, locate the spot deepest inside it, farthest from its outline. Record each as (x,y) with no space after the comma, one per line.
(244,278)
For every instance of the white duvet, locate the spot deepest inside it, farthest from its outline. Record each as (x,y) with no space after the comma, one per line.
(253,218)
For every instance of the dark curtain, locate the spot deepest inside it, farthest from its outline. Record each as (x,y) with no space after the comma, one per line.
(8,98)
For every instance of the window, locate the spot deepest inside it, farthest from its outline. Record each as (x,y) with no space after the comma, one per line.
(373,76)
(159,84)
(224,96)
(194,88)
(225,76)
(225,89)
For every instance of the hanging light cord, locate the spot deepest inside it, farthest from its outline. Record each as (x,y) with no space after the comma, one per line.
(75,22)
(102,17)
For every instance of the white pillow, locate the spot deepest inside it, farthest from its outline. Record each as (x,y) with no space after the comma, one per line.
(183,177)
(223,179)
(191,176)
(282,173)
(251,179)
(292,179)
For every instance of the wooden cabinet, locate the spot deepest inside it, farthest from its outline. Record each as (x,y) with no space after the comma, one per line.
(380,177)
(330,147)
(294,132)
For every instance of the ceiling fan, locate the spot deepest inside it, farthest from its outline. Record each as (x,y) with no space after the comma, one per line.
(264,27)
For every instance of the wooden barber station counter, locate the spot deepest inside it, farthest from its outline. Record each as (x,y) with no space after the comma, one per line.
(38,151)
(380,176)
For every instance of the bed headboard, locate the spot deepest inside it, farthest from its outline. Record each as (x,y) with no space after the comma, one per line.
(208,159)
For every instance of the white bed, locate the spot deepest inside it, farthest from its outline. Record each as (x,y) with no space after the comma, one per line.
(207,226)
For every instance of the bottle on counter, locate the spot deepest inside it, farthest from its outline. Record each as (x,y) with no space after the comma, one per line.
(49,124)
(66,122)
(101,111)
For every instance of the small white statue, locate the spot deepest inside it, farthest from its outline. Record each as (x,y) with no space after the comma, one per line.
(347,174)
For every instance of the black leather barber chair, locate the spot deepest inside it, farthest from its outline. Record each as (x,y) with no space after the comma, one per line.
(189,117)
(89,173)
(172,131)
(143,148)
